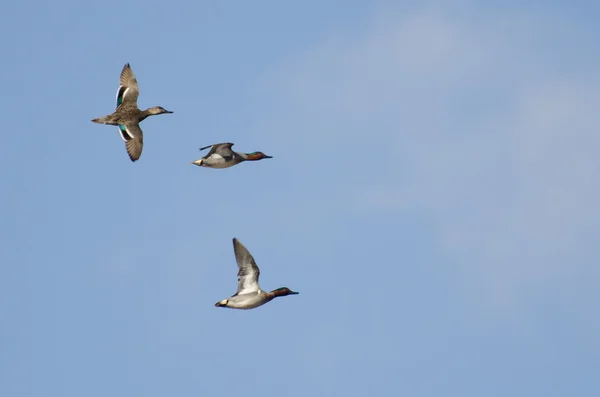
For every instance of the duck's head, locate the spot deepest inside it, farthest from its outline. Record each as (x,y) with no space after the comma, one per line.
(284,291)
(258,156)
(158,110)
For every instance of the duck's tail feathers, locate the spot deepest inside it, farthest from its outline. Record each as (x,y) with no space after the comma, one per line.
(221,303)
(101,120)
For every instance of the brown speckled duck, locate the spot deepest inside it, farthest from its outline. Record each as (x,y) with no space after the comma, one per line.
(128,116)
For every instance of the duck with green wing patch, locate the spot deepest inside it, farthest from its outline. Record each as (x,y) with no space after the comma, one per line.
(128,116)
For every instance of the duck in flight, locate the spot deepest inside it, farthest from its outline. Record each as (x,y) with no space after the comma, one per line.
(128,116)
(249,295)
(220,155)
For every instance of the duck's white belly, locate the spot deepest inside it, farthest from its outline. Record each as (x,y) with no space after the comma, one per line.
(247,301)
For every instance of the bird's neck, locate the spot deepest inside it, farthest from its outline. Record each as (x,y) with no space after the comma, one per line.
(144,114)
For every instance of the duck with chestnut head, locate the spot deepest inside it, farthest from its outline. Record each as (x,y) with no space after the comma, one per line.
(128,116)
(220,155)
(249,295)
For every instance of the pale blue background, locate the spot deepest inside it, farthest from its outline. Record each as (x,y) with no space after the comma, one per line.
(434,197)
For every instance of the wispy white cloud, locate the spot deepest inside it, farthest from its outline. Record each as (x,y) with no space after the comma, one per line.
(482,125)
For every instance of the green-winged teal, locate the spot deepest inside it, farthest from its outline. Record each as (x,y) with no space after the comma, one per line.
(221,156)
(249,295)
(128,116)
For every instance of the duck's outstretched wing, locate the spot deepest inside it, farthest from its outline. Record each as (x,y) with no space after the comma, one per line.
(217,147)
(128,91)
(248,270)
(222,150)
(134,139)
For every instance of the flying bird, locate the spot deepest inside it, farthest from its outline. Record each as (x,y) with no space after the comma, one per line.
(128,116)
(249,295)
(220,155)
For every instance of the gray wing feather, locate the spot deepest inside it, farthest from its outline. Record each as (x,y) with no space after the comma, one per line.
(217,148)
(248,270)
(222,149)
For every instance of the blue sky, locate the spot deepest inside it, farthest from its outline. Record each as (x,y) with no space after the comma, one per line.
(433,197)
